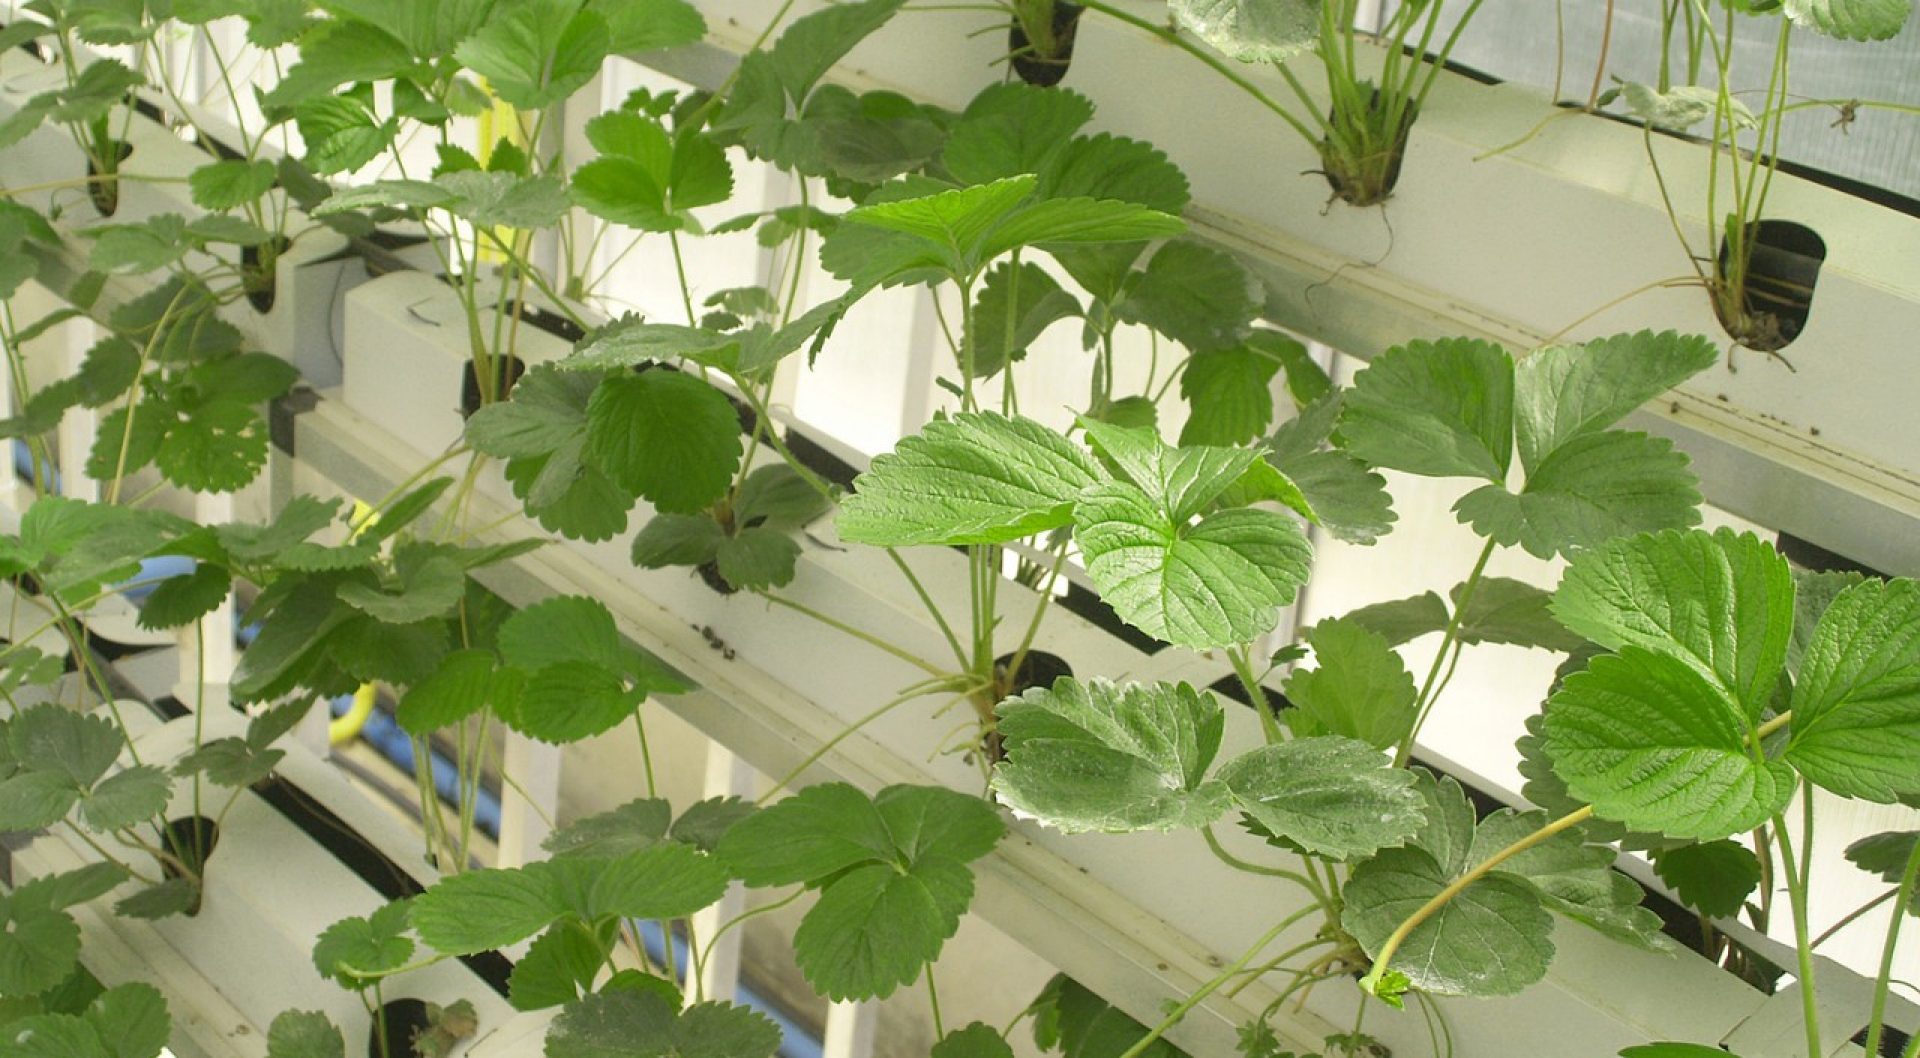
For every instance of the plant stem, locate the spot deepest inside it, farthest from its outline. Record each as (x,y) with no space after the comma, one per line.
(1426,699)
(871,640)
(1797,899)
(1238,864)
(1884,978)
(1178,1013)
(1256,695)
(1854,916)
(918,690)
(933,1000)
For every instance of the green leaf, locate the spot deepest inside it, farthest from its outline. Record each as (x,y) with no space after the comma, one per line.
(126,798)
(1852,19)
(627,342)
(1360,687)
(704,823)
(1489,940)
(978,1040)
(457,689)
(1335,797)
(1213,583)
(757,558)
(813,44)
(1101,756)
(1590,490)
(1570,876)
(1230,395)
(1016,304)
(1196,295)
(68,888)
(428,587)
(667,881)
(977,478)
(1714,877)
(230,183)
(477,911)
(951,224)
(1673,1050)
(1402,620)
(668,436)
(216,447)
(132,1020)
(57,740)
(1013,128)
(650,25)
(629,1024)
(336,53)
(1856,705)
(230,762)
(1885,854)
(341,133)
(815,833)
(678,540)
(557,967)
(506,200)
(136,249)
(174,896)
(304,1034)
(1440,409)
(874,928)
(632,827)
(569,701)
(35,799)
(354,951)
(39,947)
(1503,610)
(1351,500)
(185,599)
(1650,743)
(1721,603)
(1106,166)
(1563,392)
(1250,30)
(537,52)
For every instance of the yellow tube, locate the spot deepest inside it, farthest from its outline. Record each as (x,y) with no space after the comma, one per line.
(346,727)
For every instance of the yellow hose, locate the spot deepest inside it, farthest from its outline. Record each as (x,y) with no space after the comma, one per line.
(346,727)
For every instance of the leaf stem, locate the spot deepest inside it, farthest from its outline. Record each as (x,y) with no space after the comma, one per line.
(1884,978)
(871,640)
(918,690)
(1797,899)
(1238,864)
(1175,1016)
(1427,696)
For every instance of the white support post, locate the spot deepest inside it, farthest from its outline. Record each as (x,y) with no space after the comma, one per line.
(851,1028)
(80,425)
(207,651)
(529,801)
(727,776)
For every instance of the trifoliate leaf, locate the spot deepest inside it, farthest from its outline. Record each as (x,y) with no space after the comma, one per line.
(1250,30)
(1590,490)
(341,133)
(632,1024)
(627,342)
(457,689)
(1230,398)
(477,911)
(1334,797)
(633,826)
(1402,620)
(811,45)
(304,1034)
(506,200)
(136,249)
(668,436)
(1101,756)
(339,52)
(217,447)
(1216,582)
(1714,877)
(974,479)
(185,599)
(1015,304)
(126,798)
(1650,743)
(1852,19)
(1885,854)
(1196,295)
(1441,409)
(1721,603)
(1491,939)
(351,949)
(430,585)
(1564,392)
(1570,876)
(537,53)
(1106,166)
(1358,688)
(57,740)
(1856,705)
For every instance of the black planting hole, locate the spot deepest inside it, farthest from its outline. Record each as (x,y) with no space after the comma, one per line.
(1783,266)
(260,269)
(190,840)
(507,371)
(710,574)
(1038,669)
(1368,180)
(1893,1042)
(400,1020)
(105,194)
(1036,67)
(1809,555)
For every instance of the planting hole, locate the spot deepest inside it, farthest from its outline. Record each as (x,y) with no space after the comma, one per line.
(262,276)
(190,841)
(1038,64)
(509,369)
(1765,305)
(401,1020)
(105,194)
(1037,669)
